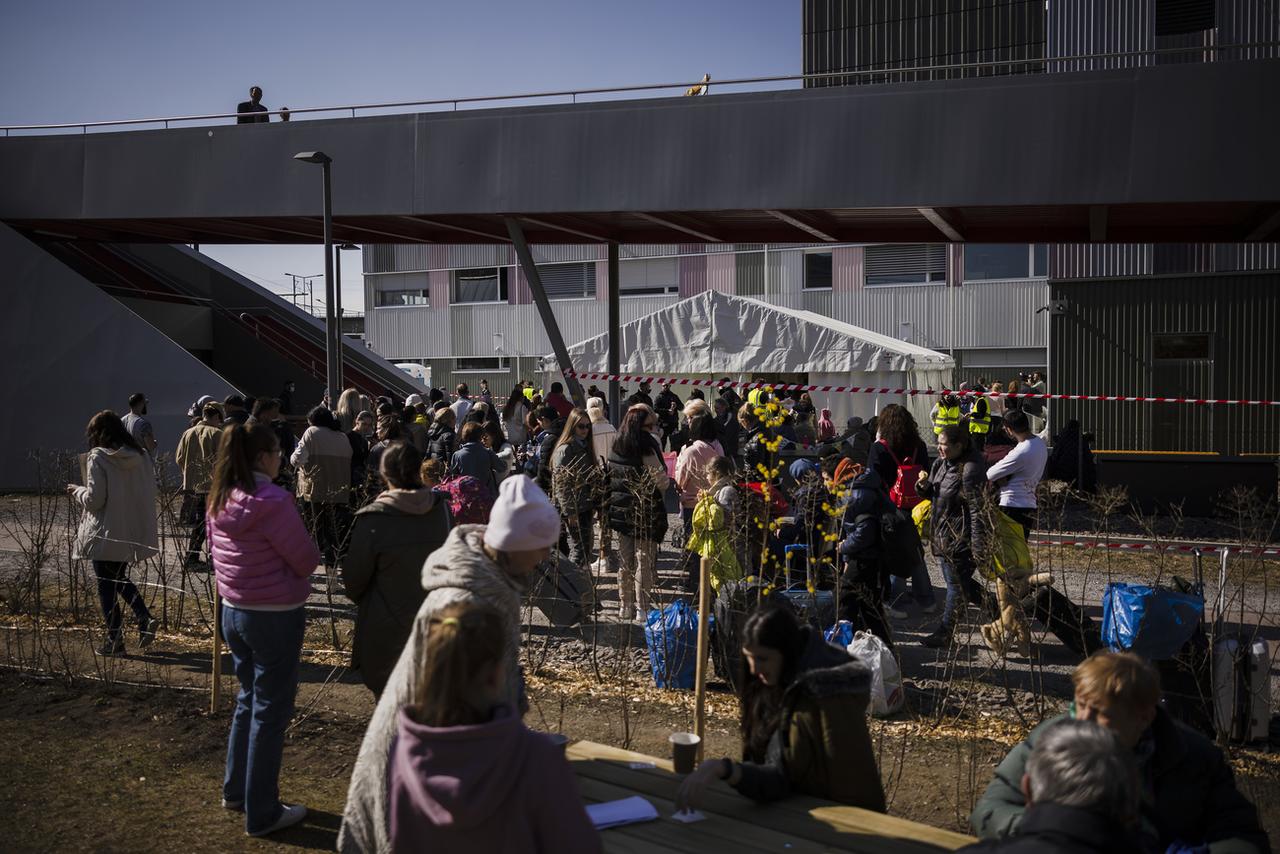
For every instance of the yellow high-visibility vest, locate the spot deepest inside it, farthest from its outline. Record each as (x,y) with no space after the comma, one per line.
(980,416)
(945,416)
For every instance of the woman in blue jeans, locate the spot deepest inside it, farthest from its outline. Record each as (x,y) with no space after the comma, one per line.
(955,484)
(262,556)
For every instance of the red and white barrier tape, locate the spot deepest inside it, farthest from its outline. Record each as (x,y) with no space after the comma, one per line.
(1153,547)
(911,392)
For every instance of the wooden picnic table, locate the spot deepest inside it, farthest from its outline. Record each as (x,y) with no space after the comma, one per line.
(737,824)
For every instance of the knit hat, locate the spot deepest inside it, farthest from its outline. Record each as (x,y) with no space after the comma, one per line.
(801,469)
(595,403)
(413,400)
(523,518)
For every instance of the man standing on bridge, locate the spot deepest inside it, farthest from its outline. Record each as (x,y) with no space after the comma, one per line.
(251,112)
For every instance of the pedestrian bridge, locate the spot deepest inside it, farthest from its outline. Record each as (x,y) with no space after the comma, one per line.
(1181,152)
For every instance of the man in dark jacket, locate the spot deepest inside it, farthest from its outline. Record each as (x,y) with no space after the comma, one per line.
(550,426)
(251,112)
(727,424)
(641,396)
(1081,792)
(667,406)
(1188,793)
(861,583)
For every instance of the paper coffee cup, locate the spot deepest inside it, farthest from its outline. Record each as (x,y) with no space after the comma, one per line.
(684,751)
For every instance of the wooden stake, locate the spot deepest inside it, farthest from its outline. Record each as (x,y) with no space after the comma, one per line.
(216,674)
(700,677)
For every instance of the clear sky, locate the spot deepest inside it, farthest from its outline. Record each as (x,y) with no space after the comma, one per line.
(86,60)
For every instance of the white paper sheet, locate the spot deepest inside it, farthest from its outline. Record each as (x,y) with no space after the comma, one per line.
(626,811)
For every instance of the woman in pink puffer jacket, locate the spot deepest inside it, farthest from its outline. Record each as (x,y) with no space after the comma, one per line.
(262,555)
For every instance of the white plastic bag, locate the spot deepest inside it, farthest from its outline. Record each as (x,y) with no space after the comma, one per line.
(887,695)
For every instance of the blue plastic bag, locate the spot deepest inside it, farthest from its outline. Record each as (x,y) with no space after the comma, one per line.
(672,638)
(841,634)
(1154,622)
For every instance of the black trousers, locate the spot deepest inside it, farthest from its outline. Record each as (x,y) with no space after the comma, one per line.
(862,598)
(113,585)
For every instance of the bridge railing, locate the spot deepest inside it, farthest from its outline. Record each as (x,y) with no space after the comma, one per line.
(880,75)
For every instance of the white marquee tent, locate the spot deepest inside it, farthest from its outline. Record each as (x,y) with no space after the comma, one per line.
(718,335)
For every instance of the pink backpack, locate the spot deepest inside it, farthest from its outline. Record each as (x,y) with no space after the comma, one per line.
(903,492)
(470,501)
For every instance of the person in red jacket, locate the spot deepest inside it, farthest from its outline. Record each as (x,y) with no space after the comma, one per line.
(262,556)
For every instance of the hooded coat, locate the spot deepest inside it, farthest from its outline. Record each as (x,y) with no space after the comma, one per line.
(391,538)
(955,487)
(119,501)
(457,572)
(860,529)
(636,486)
(822,746)
(494,786)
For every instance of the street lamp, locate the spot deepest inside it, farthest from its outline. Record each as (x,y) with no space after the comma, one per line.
(332,332)
(337,265)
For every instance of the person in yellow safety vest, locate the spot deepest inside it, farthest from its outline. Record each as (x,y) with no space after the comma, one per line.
(758,396)
(980,421)
(945,413)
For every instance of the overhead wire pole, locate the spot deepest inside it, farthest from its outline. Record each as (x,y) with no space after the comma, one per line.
(615,334)
(544,310)
(332,341)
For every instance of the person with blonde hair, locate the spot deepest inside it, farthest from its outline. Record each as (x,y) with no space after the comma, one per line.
(575,482)
(349,407)
(465,772)
(602,431)
(1189,796)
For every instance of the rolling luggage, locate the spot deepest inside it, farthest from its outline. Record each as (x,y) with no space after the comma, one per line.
(1241,675)
(561,592)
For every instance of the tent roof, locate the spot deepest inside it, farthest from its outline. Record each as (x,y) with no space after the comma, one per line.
(714,332)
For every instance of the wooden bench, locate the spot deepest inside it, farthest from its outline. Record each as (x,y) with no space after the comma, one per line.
(737,824)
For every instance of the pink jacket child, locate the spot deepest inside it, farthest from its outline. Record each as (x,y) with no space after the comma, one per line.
(495,786)
(261,550)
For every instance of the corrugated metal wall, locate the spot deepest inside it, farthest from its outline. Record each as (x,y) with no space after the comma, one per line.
(1104,345)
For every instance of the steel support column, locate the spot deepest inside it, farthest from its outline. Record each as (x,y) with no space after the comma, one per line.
(615,334)
(544,309)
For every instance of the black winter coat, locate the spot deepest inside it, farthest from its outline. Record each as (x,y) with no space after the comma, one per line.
(636,505)
(1055,829)
(441,443)
(955,519)
(860,530)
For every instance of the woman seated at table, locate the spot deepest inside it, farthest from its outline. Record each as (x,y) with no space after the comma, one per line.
(465,773)
(804,720)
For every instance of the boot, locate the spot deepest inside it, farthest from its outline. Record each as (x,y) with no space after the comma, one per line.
(940,638)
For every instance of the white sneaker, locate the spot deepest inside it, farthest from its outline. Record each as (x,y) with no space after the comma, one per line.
(238,806)
(289,816)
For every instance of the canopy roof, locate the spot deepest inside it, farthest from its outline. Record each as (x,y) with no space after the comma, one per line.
(716,333)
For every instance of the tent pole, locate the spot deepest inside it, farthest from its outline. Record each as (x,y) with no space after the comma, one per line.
(615,333)
(544,310)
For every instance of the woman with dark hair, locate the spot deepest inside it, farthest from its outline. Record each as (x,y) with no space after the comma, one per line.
(637,513)
(390,540)
(495,440)
(898,444)
(574,482)
(323,462)
(262,557)
(119,523)
(958,534)
(513,414)
(803,720)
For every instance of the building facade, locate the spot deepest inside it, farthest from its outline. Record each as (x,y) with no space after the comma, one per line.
(466,312)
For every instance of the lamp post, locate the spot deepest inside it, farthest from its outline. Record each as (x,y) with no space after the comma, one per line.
(332,339)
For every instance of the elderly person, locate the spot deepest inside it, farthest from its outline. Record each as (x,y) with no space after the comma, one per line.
(1081,790)
(602,432)
(493,564)
(1189,796)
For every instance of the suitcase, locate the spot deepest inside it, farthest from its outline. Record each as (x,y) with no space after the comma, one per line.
(562,593)
(818,608)
(1241,675)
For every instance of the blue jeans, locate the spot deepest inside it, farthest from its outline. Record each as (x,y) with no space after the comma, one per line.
(265,647)
(921,586)
(961,586)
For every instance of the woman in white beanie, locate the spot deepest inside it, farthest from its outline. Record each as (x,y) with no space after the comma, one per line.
(602,432)
(492,564)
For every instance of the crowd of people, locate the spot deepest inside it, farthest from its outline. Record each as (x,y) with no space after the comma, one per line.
(440,513)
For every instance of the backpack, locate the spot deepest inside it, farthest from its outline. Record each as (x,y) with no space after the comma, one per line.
(900,546)
(469,500)
(903,492)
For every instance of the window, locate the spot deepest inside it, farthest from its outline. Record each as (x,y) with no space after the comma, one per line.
(906,264)
(1002,261)
(481,364)
(409,296)
(1175,17)
(486,284)
(817,270)
(568,281)
(649,276)
(1178,345)
(1039,259)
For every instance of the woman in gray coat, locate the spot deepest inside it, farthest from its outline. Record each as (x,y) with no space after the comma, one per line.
(119,523)
(390,540)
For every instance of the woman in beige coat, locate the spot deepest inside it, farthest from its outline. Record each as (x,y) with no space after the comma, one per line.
(119,523)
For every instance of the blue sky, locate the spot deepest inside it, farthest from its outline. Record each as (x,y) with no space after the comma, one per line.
(64,61)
